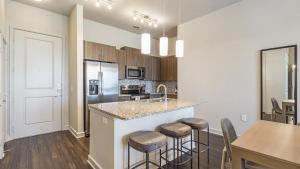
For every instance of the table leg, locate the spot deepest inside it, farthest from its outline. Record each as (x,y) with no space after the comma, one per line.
(284,112)
(237,161)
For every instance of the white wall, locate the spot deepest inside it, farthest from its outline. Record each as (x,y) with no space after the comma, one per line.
(221,64)
(2,77)
(76,70)
(100,33)
(42,21)
(172,46)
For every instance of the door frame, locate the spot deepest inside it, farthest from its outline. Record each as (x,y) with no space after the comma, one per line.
(64,100)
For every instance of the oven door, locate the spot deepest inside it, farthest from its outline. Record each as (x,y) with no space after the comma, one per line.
(133,72)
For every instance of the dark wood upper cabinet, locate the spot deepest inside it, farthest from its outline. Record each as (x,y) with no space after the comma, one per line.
(156,68)
(99,52)
(148,67)
(134,57)
(152,68)
(121,60)
(168,68)
(91,51)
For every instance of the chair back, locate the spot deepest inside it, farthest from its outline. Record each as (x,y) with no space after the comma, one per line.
(229,135)
(275,105)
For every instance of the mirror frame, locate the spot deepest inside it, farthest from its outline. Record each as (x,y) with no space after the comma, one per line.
(261,78)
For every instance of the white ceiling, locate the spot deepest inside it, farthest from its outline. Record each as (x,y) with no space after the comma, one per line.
(121,14)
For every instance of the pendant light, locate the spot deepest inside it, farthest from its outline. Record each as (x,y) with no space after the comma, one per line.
(179,43)
(163,41)
(146,43)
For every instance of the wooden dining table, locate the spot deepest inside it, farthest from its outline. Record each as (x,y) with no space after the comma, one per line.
(270,144)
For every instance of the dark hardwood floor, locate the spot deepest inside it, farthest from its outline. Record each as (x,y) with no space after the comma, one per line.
(60,150)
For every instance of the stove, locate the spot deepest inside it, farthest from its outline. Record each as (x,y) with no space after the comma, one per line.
(136,92)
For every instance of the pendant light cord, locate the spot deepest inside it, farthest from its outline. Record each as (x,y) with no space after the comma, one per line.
(164,16)
(179,12)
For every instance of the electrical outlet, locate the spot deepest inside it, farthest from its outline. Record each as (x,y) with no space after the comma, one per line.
(244,117)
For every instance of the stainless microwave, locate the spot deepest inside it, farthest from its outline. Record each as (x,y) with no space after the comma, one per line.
(134,72)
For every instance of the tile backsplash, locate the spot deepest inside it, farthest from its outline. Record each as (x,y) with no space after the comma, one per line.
(150,85)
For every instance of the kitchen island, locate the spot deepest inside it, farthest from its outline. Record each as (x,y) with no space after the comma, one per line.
(112,122)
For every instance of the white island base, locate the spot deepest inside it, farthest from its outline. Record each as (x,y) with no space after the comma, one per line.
(108,137)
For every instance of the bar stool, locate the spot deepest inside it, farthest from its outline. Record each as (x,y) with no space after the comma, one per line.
(177,131)
(198,125)
(146,142)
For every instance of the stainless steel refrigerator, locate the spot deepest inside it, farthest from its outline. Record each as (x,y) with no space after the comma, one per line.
(101,85)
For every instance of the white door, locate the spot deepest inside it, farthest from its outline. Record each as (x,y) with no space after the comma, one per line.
(37,72)
(2,122)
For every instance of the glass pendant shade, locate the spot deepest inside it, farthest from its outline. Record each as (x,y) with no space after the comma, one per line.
(146,43)
(179,48)
(163,46)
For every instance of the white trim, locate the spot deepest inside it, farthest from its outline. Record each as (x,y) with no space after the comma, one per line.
(1,149)
(1,154)
(93,163)
(216,131)
(75,133)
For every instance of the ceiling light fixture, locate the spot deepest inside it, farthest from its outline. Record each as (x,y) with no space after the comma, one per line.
(107,3)
(145,19)
(163,41)
(98,3)
(179,43)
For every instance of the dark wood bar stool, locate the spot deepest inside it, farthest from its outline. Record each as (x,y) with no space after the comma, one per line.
(198,125)
(177,131)
(146,142)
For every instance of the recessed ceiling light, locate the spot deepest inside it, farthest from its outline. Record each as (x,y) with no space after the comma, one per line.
(38,0)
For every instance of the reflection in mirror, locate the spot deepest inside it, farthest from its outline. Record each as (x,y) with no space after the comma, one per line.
(279,84)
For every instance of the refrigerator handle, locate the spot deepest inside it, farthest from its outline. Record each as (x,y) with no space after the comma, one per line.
(101,82)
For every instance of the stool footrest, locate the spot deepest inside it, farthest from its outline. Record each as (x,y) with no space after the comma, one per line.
(194,151)
(189,157)
(144,162)
(195,141)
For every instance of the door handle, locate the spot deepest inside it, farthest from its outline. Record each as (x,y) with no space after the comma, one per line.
(58,90)
(101,83)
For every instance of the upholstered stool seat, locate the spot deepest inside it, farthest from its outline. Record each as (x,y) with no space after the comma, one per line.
(195,123)
(198,125)
(175,130)
(147,141)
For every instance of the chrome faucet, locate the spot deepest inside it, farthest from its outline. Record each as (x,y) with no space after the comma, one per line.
(165,90)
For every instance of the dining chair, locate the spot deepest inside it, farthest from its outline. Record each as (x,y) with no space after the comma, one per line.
(278,111)
(230,136)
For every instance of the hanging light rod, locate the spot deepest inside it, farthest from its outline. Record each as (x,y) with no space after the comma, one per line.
(107,3)
(143,18)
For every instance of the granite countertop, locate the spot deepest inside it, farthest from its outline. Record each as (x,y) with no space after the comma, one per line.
(135,109)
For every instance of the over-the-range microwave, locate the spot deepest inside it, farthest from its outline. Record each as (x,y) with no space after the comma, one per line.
(134,72)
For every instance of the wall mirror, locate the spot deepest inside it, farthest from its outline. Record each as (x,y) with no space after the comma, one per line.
(279,84)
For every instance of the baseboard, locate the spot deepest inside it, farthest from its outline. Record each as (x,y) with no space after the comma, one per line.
(1,155)
(75,133)
(66,127)
(93,163)
(216,131)
(1,150)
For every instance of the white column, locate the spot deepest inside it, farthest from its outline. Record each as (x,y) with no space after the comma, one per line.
(75,70)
